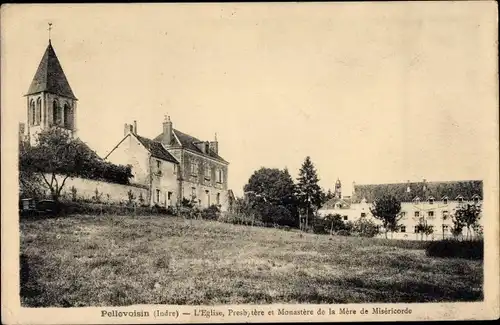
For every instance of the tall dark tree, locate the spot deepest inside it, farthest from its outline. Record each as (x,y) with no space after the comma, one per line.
(270,195)
(387,209)
(309,193)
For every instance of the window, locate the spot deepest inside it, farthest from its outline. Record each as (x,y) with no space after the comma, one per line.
(158,193)
(445,200)
(220,176)
(430,213)
(38,111)
(417,213)
(158,164)
(32,113)
(431,200)
(460,199)
(207,172)
(67,116)
(193,192)
(445,214)
(56,114)
(476,199)
(207,193)
(169,198)
(445,228)
(175,169)
(218,198)
(194,168)
(363,214)
(415,229)
(403,228)
(403,214)
(345,218)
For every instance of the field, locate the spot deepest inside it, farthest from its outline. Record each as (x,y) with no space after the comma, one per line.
(115,261)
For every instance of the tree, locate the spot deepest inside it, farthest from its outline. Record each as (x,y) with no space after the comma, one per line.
(466,216)
(309,194)
(327,196)
(334,222)
(30,183)
(365,227)
(270,195)
(57,157)
(387,210)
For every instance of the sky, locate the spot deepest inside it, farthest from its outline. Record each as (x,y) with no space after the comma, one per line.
(372,92)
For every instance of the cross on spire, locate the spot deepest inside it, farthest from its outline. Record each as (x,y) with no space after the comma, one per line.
(49,29)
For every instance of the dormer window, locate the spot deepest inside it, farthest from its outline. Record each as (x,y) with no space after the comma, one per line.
(445,200)
(475,198)
(416,200)
(431,200)
(460,199)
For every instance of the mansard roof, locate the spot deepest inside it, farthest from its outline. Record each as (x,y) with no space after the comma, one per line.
(156,149)
(50,77)
(450,189)
(189,142)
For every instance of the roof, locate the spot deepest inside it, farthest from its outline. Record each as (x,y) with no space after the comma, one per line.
(437,190)
(330,204)
(188,142)
(156,149)
(50,76)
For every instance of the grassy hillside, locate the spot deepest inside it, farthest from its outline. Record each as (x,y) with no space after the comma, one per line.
(112,261)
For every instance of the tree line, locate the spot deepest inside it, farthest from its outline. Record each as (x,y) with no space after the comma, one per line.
(272,196)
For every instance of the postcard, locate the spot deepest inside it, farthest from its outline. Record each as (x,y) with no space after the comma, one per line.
(249,162)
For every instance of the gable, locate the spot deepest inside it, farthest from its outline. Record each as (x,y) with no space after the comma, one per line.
(187,141)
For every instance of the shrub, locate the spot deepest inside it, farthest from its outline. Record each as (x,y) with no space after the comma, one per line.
(365,228)
(470,249)
(73,193)
(210,213)
(131,197)
(158,209)
(321,226)
(343,232)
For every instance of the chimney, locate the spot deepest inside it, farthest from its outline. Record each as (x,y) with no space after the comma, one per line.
(135,127)
(214,145)
(424,187)
(126,129)
(167,134)
(408,189)
(353,187)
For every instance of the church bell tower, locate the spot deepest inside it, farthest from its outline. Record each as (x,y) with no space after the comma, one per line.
(50,100)
(338,189)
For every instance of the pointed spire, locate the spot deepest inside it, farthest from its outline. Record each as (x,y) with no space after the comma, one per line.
(50,77)
(49,29)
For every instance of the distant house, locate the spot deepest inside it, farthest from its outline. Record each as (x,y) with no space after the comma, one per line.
(175,166)
(421,202)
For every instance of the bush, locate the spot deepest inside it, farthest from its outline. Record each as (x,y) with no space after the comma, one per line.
(210,213)
(343,232)
(470,249)
(240,219)
(321,226)
(365,228)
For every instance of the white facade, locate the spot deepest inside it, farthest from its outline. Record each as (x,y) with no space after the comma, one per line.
(434,212)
